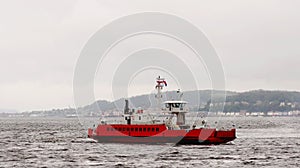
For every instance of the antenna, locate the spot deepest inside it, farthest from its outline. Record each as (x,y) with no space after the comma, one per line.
(180,94)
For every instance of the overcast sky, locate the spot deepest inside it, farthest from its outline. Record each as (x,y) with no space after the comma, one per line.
(40,41)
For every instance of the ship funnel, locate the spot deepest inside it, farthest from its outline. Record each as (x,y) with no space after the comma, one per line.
(126,108)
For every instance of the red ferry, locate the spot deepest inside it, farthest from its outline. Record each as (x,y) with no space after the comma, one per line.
(141,127)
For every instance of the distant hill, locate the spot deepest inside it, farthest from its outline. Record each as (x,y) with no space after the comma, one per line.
(263,101)
(195,99)
(251,101)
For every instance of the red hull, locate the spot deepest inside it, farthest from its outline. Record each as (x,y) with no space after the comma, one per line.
(119,133)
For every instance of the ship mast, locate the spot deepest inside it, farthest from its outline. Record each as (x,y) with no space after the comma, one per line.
(160,83)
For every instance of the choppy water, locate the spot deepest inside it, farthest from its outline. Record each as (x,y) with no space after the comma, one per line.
(261,142)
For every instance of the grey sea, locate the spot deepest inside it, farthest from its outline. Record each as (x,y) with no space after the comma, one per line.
(61,142)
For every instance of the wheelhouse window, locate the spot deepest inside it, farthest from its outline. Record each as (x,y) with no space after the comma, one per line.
(176,105)
(167,105)
(157,129)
